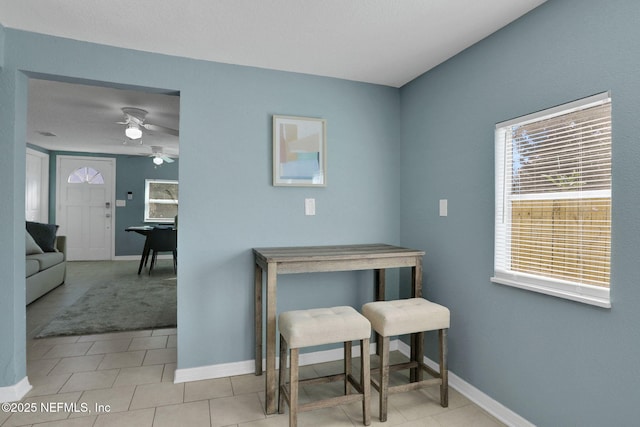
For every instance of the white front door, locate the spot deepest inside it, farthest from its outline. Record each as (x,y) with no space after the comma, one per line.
(84,200)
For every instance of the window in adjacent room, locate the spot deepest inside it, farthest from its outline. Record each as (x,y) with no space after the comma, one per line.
(553,201)
(160,200)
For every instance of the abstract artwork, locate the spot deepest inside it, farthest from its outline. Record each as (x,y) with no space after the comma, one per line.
(299,151)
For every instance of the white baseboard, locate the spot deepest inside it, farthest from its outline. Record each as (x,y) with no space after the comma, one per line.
(137,257)
(214,371)
(15,392)
(126,258)
(249,367)
(484,401)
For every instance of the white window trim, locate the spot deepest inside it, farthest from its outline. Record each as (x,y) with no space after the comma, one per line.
(592,295)
(147,201)
(580,104)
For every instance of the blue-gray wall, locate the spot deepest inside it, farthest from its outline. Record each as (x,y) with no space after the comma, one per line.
(227,202)
(553,361)
(12,178)
(130,175)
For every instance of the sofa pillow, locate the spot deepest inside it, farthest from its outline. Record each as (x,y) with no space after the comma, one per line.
(30,245)
(43,234)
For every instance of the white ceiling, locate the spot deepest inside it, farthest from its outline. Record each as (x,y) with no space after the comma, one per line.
(387,42)
(85,118)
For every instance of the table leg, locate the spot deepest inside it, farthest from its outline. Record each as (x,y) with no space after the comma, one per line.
(380,284)
(416,279)
(145,254)
(258,317)
(270,386)
(379,280)
(417,349)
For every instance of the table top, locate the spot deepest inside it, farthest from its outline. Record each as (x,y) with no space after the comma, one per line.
(139,228)
(339,252)
(144,228)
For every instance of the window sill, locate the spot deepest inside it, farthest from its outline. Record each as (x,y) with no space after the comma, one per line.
(560,293)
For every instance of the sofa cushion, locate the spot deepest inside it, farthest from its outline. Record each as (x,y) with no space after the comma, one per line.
(30,245)
(47,259)
(43,234)
(32,267)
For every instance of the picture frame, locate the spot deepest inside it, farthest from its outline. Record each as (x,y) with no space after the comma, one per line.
(299,151)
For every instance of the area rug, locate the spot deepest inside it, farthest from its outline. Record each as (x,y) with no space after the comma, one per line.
(118,306)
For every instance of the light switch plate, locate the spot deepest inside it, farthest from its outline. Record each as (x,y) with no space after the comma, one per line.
(309,206)
(443,207)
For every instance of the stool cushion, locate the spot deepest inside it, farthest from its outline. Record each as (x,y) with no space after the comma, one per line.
(317,326)
(406,316)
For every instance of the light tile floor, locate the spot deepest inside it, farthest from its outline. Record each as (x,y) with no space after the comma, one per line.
(126,379)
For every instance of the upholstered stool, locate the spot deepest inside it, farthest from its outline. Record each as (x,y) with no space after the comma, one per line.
(409,316)
(306,328)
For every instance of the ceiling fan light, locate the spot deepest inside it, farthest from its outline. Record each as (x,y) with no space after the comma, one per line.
(133,131)
(157,161)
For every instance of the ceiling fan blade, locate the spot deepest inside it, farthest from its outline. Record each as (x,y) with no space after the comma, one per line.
(158,128)
(134,119)
(166,158)
(136,115)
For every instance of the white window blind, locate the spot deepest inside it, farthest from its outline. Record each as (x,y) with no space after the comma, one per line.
(553,201)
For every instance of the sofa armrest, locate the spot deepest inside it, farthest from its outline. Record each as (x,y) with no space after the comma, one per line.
(61,245)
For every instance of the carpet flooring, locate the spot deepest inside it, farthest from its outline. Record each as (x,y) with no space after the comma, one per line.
(118,305)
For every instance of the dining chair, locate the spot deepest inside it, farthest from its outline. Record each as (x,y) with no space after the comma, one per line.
(163,239)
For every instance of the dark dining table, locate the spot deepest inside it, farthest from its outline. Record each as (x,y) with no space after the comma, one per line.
(145,230)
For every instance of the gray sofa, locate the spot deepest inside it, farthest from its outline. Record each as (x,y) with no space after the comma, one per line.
(46,271)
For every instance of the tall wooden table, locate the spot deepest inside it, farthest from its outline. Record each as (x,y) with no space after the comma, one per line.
(289,260)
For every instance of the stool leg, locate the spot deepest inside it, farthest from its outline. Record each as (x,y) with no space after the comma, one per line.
(384,377)
(365,381)
(444,372)
(282,378)
(417,355)
(348,367)
(293,387)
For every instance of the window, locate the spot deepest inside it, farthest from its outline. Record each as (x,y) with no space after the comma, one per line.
(553,201)
(160,200)
(85,174)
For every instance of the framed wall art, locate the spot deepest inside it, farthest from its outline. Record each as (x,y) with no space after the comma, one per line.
(299,151)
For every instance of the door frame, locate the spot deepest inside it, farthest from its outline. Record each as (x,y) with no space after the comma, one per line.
(111,160)
(43,183)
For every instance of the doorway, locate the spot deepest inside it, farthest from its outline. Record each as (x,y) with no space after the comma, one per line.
(99,181)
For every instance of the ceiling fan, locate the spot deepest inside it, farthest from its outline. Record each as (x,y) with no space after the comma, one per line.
(158,156)
(134,118)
